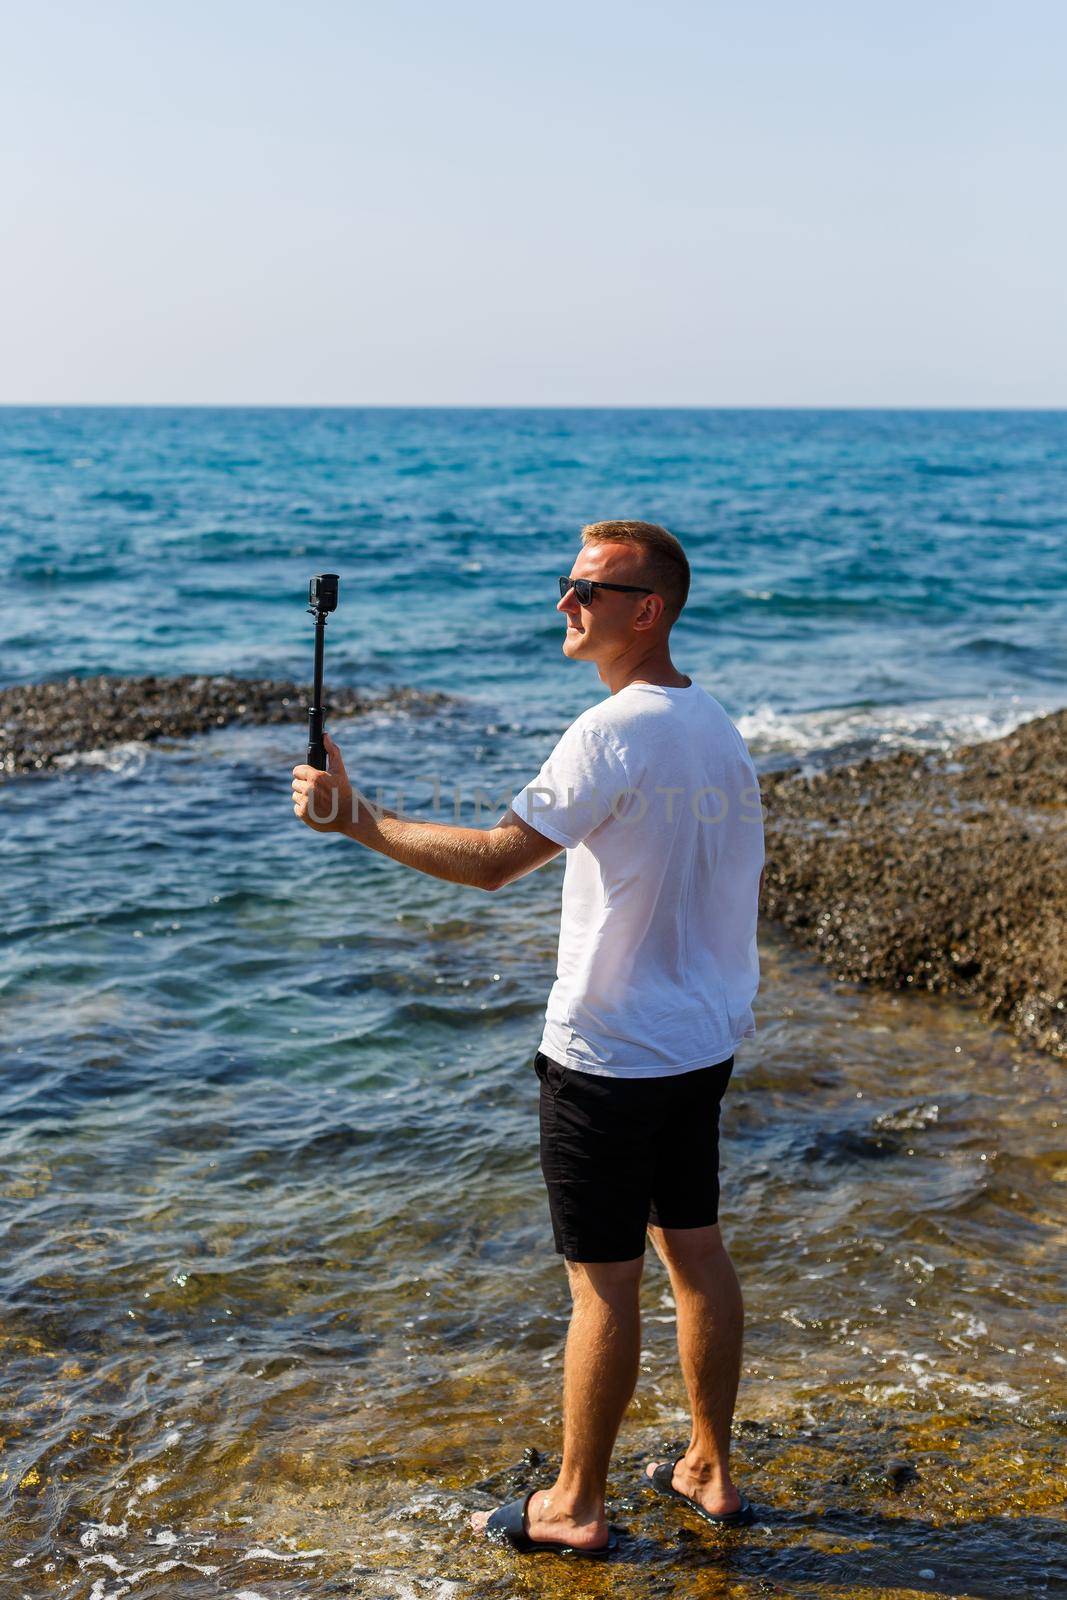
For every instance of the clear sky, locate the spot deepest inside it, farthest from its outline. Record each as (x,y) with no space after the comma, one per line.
(759,202)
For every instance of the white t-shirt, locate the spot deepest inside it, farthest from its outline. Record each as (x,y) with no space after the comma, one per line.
(653,793)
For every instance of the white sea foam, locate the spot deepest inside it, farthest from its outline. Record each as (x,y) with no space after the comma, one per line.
(131,1575)
(196,1566)
(95,1531)
(434,1502)
(106,1559)
(262,1553)
(936,1382)
(925,725)
(127,758)
(399,1586)
(149,1486)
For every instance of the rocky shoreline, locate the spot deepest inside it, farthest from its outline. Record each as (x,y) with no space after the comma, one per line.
(43,723)
(945,872)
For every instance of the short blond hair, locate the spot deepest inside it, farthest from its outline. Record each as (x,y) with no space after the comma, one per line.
(663,561)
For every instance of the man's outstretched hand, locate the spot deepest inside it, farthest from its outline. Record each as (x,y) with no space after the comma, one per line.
(481,858)
(323,799)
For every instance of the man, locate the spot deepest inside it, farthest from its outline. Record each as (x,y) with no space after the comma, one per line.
(653,795)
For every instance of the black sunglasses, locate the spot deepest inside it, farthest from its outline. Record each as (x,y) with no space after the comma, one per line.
(585,588)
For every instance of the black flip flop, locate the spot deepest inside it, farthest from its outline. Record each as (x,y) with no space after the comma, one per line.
(660,1480)
(508,1524)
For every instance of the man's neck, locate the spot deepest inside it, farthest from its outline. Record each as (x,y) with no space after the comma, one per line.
(658,670)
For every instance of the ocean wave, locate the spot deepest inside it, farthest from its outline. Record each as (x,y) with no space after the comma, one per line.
(1020,522)
(987,645)
(127,758)
(463,1015)
(959,469)
(851,601)
(128,499)
(854,730)
(52,574)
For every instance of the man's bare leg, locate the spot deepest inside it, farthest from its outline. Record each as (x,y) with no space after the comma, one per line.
(599,1376)
(707,1297)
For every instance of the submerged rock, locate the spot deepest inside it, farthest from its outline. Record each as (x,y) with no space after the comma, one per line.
(900,1473)
(945,872)
(42,722)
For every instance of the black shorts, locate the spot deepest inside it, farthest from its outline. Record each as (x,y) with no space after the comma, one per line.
(620,1153)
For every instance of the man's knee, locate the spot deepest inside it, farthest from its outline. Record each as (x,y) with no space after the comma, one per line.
(605,1280)
(689,1252)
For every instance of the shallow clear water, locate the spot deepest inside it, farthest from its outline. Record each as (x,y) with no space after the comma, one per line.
(277,1271)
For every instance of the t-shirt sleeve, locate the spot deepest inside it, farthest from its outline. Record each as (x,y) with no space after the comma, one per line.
(575,790)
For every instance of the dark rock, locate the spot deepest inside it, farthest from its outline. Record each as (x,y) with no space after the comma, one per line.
(42,722)
(945,872)
(900,1473)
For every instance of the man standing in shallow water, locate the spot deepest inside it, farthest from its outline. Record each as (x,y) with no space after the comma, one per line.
(653,795)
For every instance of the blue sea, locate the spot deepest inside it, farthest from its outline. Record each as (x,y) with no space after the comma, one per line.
(905,566)
(278,1300)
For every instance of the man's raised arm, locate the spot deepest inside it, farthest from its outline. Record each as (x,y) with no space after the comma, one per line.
(482,858)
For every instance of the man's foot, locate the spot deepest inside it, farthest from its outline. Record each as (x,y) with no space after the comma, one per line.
(713,1492)
(547,1522)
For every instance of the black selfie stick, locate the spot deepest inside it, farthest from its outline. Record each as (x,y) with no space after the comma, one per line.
(322,599)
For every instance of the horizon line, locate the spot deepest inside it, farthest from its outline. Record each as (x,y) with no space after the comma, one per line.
(511,405)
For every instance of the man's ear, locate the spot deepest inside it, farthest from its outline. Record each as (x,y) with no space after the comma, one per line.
(649,611)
